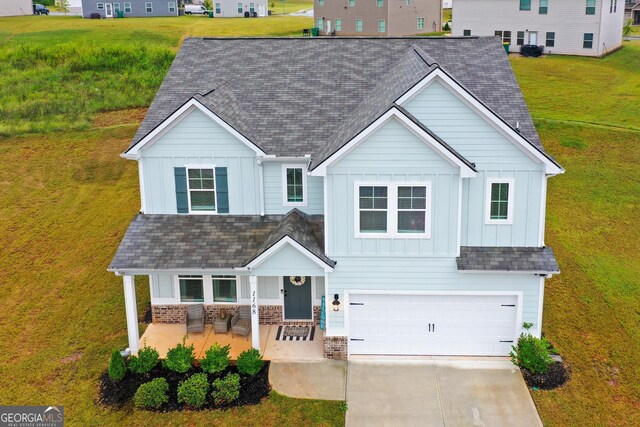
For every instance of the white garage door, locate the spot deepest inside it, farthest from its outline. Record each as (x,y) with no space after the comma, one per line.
(477,325)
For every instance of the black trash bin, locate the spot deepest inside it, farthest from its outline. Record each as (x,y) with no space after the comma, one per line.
(531,50)
(247,15)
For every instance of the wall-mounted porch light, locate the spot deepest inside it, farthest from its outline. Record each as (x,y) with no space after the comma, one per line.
(335,303)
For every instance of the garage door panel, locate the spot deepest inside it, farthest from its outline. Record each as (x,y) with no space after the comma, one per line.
(432,324)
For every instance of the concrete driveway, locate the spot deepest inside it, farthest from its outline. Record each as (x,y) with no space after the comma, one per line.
(438,392)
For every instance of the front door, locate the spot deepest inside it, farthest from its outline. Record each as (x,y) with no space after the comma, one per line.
(533,38)
(108,10)
(297,298)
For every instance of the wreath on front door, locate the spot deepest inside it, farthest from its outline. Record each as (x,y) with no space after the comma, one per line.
(297,280)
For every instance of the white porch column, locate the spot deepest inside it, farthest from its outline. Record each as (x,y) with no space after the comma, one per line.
(132,313)
(255,313)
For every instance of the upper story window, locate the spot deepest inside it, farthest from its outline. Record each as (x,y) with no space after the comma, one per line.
(379,3)
(544,7)
(225,288)
(352,2)
(393,210)
(591,7)
(201,185)
(499,201)
(525,4)
(320,2)
(294,179)
(148,7)
(191,289)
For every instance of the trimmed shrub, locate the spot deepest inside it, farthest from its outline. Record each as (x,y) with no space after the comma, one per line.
(447,27)
(152,394)
(180,358)
(226,390)
(216,359)
(117,368)
(193,391)
(249,362)
(532,354)
(146,360)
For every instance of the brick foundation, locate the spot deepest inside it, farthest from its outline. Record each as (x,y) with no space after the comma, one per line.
(335,348)
(269,314)
(169,313)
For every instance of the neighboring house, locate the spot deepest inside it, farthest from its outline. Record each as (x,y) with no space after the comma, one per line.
(16,7)
(568,27)
(377,17)
(131,8)
(447,4)
(401,179)
(234,9)
(632,11)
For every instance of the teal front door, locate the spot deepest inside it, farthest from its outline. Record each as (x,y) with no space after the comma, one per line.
(297,298)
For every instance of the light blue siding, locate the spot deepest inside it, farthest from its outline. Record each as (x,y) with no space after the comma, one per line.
(424,274)
(288,261)
(274,196)
(199,140)
(162,286)
(495,156)
(393,153)
(269,288)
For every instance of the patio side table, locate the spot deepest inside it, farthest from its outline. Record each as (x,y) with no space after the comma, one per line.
(221,326)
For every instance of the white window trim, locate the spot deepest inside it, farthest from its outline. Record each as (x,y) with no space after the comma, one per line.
(171,5)
(418,23)
(392,209)
(100,6)
(338,27)
(487,212)
(361,25)
(125,7)
(384,24)
(178,294)
(285,202)
(238,289)
(146,9)
(215,189)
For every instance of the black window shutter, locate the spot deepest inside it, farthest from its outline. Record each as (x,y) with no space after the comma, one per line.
(182,201)
(222,190)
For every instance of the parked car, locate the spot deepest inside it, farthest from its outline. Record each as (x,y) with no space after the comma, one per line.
(190,9)
(39,9)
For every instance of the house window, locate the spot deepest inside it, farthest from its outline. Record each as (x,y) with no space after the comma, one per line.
(615,6)
(338,24)
(382,26)
(407,2)
(520,38)
(218,9)
(172,7)
(420,23)
(610,6)
(352,2)
(525,4)
(358,25)
(295,182)
(127,8)
(373,205)
(551,40)
(499,201)
(505,36)
(412,209)
(225,288)
(544,7)
(191,289)
(320,24)
(466,33)
(591,7)
(379,3)
(148,7)
(240,9)
(320,2)
(100,6)
(587,41)
(399,210)
(201,189)
(252,8)
(116,7)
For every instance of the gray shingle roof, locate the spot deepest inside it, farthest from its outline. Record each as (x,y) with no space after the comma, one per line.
(298,96)
(180,242)
(535,260)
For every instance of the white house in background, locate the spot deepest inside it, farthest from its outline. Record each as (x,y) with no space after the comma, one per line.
(235,9)
(16,7)
(446,4)
(567,27)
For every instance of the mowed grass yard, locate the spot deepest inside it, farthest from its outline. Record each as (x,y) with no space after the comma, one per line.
(66,198)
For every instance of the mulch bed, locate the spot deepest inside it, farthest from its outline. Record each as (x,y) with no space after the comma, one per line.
(556,375)
(119,393)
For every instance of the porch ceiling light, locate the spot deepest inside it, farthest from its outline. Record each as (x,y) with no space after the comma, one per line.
(335,303)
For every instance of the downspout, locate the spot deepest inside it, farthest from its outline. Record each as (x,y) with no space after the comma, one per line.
(261,183)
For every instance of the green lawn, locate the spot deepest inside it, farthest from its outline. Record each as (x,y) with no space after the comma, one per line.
(66,199)
(276,6)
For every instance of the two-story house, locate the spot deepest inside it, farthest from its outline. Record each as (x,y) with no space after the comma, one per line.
(401,180)
(377,17)
(567,27)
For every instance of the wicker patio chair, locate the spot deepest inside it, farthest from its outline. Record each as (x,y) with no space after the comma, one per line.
(241,322)
(195,318)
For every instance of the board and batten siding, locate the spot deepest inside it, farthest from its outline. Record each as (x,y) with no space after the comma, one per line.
(198,140)
(392,154)
(495,157)
(274,192)
(422,274)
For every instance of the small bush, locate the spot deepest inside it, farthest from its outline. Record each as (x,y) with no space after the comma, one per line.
(152,394)
(117,368)
(226,390)
(531,353)
(249,362)
(179,358)
(447,27)
(216,359)
(146,360)
(194,390)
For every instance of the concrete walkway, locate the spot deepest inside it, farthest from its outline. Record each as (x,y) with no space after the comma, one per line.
(438,392)
(322,379)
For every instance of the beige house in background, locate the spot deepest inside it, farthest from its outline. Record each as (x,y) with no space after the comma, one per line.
(377,17)
(15,7)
